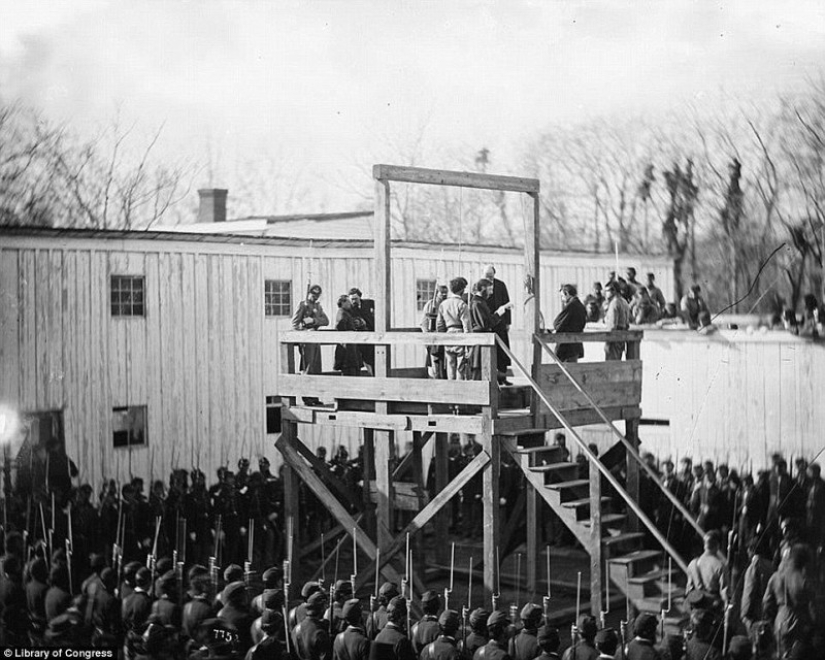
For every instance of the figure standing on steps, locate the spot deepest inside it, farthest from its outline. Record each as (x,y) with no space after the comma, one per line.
(498,297)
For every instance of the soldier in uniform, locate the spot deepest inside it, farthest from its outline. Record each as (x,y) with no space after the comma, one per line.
(607,642)
(644,631)
(104,612)
(196,507)
(427,629)
(165,609)
(392,643)
(311,638)
(273,580)
(299,612)
(585,647)
(236,612)
(36,599)
(274,602)
(352,643)
(341,593)
(525,645)
(378,619)
(198,609)
(445,647)
(137,606)
(478,636)
(495,649)
(269,647)
(549,643)
(700,645)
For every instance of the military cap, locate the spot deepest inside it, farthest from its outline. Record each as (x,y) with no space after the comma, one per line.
(531,612)
(740,648)
(164,564)
(343,586)
(449,621)
(234,592)
(698,600)
(166,583)
(274,599)
(607,640)
(498,619)
(479,616)
(131,569)
(645,625)
(397,604)
(388,590)
(587,626)
(195,570)
(263,460)
(352,610)
(272,576)
(243,463)
(429,597)
(315,288)
(233,573)
(316,601)
(143,577)
(270,620)
(309,588)
(199,585)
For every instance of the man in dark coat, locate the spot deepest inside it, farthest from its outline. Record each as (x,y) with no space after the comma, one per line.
(445,646)
(58,599)
(137,606)
(235,612)
(352,643)
(392,643)
(549,643)
(478,636)
(13,616)
(427,629)
(641,647)
(197,610)
(165,609)
(484,318)
(585,647)
(36,590)
(700,646)
(499,297)
(378,619)
(103,614)
(496,649)
(571,318)
(347,356)
(311,637)
(525,645)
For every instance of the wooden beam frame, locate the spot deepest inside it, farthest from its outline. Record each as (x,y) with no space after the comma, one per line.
(420,175)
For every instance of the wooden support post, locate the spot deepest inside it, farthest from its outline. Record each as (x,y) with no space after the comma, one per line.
(369,476)
(595,540)
(490,515)
(533,538)
(442,478)
(532,306)
(418,477)
(383,486)
(632,434)
(292,517)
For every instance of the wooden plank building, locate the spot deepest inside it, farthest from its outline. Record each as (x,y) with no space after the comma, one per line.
(202,356)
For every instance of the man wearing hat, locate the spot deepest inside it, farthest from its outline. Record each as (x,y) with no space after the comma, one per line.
(585,647)
(165,609)
(268,647)
(275,603)
(309,316)
(218,639)
(341,593)
(352,643)
(525,645)
(571,318)
(496,648)
(644,631)
(708,572)
(272,578)
(549,643)
(235,612)
(137,606)
(701,646)
(310,635)
(299,612)
(616,317)
(378,619)
(478,636)
(392,643)
(198,609)
(426,630)
(691,305)
(445,646)
(607,642)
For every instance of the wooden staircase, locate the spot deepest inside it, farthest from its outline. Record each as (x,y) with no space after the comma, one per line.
(641,574)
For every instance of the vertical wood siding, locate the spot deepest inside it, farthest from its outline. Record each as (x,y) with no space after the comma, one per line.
(204,357)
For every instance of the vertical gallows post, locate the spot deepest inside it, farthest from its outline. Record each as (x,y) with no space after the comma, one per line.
(632,434)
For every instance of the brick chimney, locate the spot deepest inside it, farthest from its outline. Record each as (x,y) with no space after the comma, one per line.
(212,206)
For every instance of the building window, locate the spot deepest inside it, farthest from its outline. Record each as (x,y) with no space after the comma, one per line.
(278,298)
(424,292)
(129,426)
(127,295)
(273,414)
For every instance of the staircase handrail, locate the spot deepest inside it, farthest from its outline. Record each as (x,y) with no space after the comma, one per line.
(593,459)
(632,451)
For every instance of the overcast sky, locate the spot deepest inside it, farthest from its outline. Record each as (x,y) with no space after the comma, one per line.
(331,83)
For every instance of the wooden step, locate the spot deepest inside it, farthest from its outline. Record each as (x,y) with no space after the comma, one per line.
(564,485)
(584,502)
(650,577)
(607,519)
(635,557)
(554,467)
(625,537)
